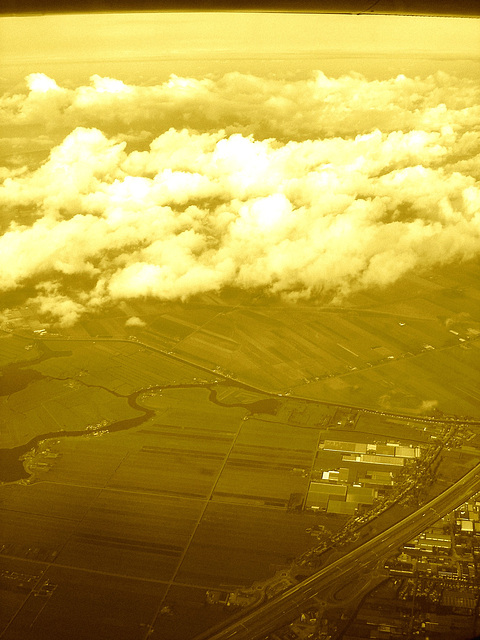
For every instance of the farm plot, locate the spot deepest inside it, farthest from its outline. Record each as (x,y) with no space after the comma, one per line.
(87,461)
(50,406)
(17,579)
(235,544)
(122,366)
(27,535)
(142,536)
(88,605)
(445,378)
(191,408)
(268,463)
(68,502)
(12,349)
(180,461)
(185,615)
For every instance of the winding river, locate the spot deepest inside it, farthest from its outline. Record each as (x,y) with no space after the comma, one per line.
(17,376)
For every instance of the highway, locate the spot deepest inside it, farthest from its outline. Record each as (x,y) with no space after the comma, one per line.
(257,623)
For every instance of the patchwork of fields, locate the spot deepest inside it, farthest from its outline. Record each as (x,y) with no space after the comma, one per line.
(158,473)
(410,347)
(194,498)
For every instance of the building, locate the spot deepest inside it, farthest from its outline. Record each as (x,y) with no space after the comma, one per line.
(346,447)
(343,508)
(319,494)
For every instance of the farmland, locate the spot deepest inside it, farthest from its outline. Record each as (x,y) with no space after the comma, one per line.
(407,347)
(88,604)
(179,457)
(153,502)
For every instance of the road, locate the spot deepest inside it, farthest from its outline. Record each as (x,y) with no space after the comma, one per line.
(256,624)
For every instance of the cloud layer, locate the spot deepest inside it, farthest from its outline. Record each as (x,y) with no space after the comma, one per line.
(303,188)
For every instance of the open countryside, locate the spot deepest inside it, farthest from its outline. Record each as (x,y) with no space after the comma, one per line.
(144,461)
(240,325)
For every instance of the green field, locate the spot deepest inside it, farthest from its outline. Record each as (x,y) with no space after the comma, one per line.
(236,544)
(199,494)
(12,349)
(51,406)
(445,379)
(412,343)
(89,605)
(144,537)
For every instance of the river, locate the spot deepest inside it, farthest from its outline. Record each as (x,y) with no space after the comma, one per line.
(17,376)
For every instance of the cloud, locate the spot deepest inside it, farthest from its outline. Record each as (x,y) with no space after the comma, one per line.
(427,406)
(316,187)
(134,321)
(269,107)
(54,306)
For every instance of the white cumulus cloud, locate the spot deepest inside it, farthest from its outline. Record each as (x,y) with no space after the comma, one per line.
(322,186)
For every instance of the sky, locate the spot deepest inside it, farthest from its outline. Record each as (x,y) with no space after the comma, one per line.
(119,36)
(146,47)
(308,185)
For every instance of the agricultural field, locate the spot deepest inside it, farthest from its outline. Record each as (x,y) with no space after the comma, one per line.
(371,425)
(52,406)
(86,460)
(144,537)
(122,367)
(14,349)
(90,605)
(48,498)
(236,544)
(442,378)
(26,534)
(156,470)
(191,407)
(185,615)
(144,502)
(194,495)
(362,352)
(406,347)
(17,579)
